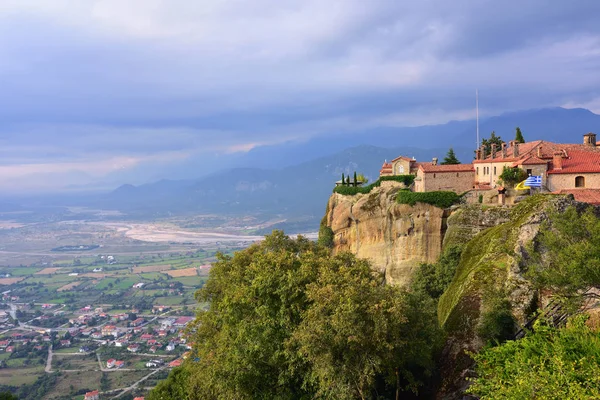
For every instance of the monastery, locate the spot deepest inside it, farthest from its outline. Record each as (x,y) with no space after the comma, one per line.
(563,168)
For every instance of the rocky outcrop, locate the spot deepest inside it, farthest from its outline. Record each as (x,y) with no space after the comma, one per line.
(396,238)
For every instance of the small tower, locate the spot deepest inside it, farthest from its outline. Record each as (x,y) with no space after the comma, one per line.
(589,139)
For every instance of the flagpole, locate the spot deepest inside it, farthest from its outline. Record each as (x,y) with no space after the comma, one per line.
(477,114)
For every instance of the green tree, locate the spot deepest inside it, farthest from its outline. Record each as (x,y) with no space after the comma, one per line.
(343,179)
(549,363)
(519,136)
(450,158)
(348,180)
(8,396)
(325,236)
(363,178)
(355,180)
(511,176)
(492,139)
(174,387)
(287,320)
(569,260)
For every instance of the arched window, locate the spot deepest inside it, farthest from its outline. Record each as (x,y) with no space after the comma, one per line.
(580,181)
(400,169)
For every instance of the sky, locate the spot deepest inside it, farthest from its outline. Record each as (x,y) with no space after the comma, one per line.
(95,93)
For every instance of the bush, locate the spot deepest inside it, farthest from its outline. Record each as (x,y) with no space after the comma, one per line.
(325,236)
(512,176)
(439,199)
(352,190)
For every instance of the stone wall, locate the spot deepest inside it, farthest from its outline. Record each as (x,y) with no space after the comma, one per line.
(458,182)
(567,181)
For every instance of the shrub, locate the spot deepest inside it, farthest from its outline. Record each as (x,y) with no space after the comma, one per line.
(352,190)
(512,176)
(325,236)
(439,199)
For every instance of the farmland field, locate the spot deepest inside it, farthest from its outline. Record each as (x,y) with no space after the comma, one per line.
(183,272)
(151,268)
(10,281)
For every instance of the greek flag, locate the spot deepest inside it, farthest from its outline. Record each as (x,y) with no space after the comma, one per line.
(534,181)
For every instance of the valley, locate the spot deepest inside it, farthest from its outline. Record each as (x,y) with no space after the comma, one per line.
(101,304)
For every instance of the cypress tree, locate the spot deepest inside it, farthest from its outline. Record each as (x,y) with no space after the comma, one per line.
(519,136)
(343,179)
(355,181)
(348,180)
(450,158)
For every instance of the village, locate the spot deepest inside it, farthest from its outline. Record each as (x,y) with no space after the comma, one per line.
(93,339)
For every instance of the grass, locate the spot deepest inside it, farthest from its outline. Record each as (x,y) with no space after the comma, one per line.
(484,265)
(20,376)
(79,380)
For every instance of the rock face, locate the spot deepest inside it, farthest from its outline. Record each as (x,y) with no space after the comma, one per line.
(396,238)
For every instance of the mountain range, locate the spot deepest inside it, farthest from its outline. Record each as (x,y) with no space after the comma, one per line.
(292,181)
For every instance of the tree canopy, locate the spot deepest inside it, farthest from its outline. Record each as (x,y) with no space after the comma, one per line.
(571,264)
(450,158)
(289,321)
(492,139)
(549,363)
(519,136)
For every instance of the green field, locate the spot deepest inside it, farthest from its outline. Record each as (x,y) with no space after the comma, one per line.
(20,376)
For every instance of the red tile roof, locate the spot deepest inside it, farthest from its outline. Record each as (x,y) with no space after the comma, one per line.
(578,162)
(402,158)
(531,160)
(591,196)
(428,167)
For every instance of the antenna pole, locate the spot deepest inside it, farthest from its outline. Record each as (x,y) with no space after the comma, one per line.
(477,114)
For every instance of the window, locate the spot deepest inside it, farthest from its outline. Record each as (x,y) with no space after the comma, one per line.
(457,174)
(529,172)
(580,181)
(477,170)
(400,169)
(494,170)
(434,175)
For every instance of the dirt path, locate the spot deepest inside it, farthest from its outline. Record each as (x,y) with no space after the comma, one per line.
(49,361)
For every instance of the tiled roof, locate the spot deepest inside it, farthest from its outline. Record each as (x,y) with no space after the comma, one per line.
(428,167)
(591,196)
(402,158)
(579,162)
(532,160)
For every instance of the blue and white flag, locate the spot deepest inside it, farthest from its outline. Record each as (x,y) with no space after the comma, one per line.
(534,181)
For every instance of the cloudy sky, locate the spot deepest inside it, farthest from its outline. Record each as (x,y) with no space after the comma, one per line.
(97,92)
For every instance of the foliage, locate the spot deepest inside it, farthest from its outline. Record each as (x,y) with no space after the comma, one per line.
(289,321)
(571,243)
(497,322)
(512,176)
(441,199)
(352,190)
(8,396)
(549,363)
(480,199)
(325,236)
(488,142)
(363,178)
(174,387)
(519,135)
(433,279)
(450,158)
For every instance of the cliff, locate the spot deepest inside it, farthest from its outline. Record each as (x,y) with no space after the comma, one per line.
(396,238)
(496,244)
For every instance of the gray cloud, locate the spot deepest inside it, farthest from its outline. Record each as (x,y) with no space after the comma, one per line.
(157,81)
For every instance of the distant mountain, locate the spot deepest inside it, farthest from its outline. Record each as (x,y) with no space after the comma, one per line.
(553,124)
(293,180)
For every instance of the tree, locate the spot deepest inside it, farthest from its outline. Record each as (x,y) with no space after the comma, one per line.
(569,261)
(348,180)
(343,179)
(488,142)
(362,178)
(287,320)
(355,180)
(450,158)
(549,363)
(510,176)
(519,136)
